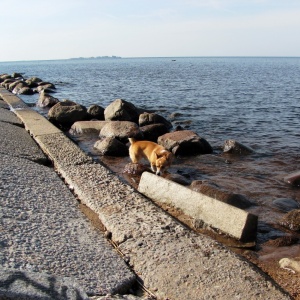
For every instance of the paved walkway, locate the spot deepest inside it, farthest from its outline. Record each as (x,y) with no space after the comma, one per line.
(42,229)
(44,233)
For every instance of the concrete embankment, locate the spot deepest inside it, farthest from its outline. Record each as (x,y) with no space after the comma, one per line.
(172,261)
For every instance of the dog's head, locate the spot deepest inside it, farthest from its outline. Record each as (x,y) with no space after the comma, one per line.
(163,161)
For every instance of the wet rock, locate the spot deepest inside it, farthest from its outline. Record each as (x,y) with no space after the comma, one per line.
(152,118)
(111,147)
(121,130)
(135,169)
(282,241)
(4,77)
(46,100)
(232,146)
(185,142)
(66,113)
(290,264)
(178,178)
(214,191)
(6,82)
(153,131)
(293,178)
(291,220)
(96,112)
(121,110)
(18,88)
(285,204)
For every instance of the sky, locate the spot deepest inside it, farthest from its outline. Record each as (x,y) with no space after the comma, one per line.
(59,29)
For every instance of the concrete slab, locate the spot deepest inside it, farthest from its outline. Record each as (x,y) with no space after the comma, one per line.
(35,123)
(24,285)
(87,127)
(229,219)
(16,142)
(61,150)
(9,117)
(42,230)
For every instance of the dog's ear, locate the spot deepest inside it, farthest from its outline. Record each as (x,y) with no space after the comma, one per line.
(161,153)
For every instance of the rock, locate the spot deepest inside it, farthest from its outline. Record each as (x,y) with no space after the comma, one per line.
(152,118)
(282,241)
(293,178)
(7,82)
(18,87)
(33,81)
(46,100)
(121,130)
(153,131)
(87,127)
(66,113)
(185,142)
(16,75)
(291,220)
(232,146)
(121,110)
(135,169)
(285,204)
(96,112)
(214,191)
(4,77)
(47,87)
(111,146)
(25,91)
(12,85)
(290,264)
(178,178)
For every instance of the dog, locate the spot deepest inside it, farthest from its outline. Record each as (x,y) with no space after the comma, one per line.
(160,159)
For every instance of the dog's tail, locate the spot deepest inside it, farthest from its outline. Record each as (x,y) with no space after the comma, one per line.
(132,140)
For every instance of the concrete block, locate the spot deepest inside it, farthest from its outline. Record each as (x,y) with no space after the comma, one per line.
(229,219)
(12,100)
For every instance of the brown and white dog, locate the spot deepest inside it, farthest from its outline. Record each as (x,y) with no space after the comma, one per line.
(160,158)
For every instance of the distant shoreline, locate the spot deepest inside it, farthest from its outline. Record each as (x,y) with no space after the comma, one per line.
(96,57)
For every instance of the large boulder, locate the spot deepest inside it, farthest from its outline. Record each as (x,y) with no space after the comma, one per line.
(66,113)
(216,192)
(111,146)
(96,112)
(45,86)
(33,81)
(46,100)
(185,142)
(16,88)
(121,130)
(153,131)
(232,146)
(153,118)
(121,110)
(291,220)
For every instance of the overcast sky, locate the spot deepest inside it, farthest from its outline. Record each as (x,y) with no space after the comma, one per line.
(38,29)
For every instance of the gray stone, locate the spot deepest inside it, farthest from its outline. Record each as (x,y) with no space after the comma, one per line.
(111,146)
(232,146)
(121,110)
(185,142)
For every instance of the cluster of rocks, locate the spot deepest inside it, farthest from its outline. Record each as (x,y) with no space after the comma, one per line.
(19,85)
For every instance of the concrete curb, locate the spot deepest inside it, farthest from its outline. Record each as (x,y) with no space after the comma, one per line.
(229,219)
(171,260)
